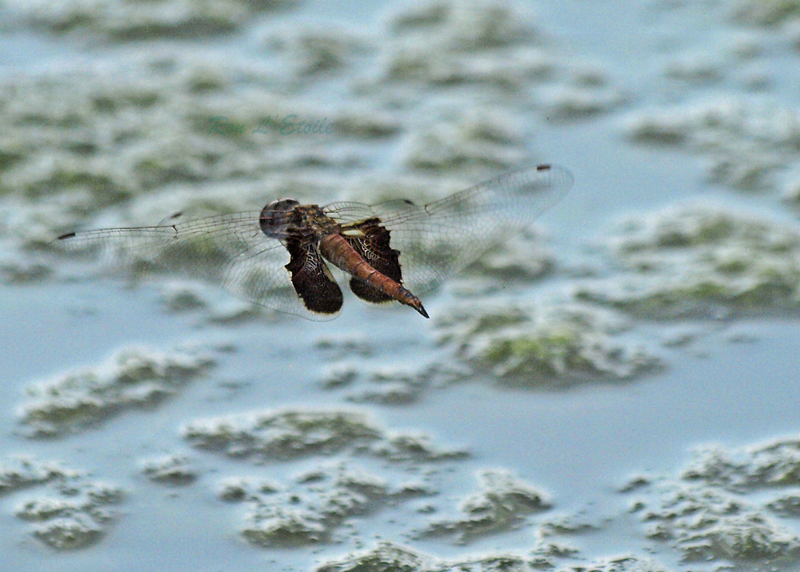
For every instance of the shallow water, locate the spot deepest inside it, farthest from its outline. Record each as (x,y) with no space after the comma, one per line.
(551,418)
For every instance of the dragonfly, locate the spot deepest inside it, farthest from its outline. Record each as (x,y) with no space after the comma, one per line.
(281,256)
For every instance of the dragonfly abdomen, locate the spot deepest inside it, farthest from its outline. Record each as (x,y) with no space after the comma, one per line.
(335,248)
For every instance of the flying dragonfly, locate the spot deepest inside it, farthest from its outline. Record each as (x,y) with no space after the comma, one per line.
(279,257)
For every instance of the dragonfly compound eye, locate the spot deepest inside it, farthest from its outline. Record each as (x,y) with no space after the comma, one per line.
(274,217)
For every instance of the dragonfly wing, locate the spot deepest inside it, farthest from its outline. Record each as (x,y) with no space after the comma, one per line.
(440,239)
(229,250)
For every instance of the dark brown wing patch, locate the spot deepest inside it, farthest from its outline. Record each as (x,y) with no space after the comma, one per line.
(371,241)
(311,278)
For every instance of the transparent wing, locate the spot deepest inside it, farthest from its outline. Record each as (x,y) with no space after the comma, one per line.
(435,240)
(229,250)
(440,239)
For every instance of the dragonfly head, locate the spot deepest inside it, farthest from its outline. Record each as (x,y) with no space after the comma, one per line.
(275,217)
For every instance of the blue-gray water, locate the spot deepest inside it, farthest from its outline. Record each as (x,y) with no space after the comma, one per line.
(666,323)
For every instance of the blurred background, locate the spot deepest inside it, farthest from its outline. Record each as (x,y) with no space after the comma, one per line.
(613,390)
